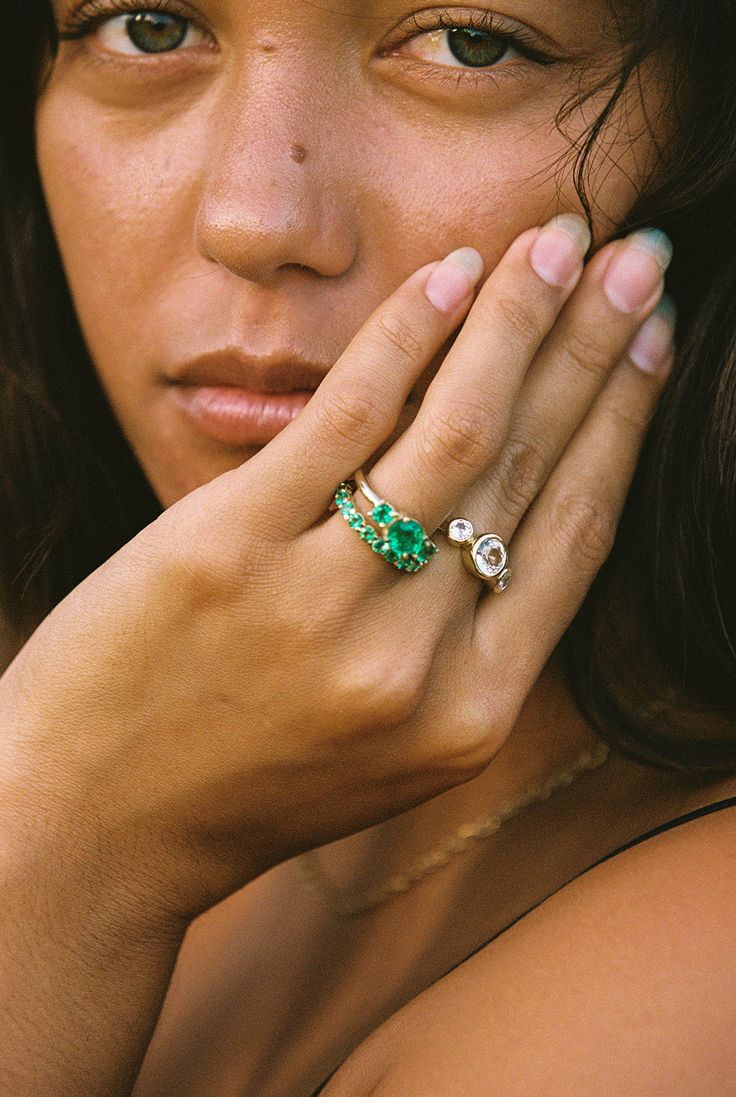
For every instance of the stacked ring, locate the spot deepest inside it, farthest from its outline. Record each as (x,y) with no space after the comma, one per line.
(485,555)
(401,540)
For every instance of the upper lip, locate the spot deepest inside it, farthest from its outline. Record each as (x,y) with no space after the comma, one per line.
(276,373)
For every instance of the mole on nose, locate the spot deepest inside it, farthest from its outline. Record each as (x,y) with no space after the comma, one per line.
(298,153)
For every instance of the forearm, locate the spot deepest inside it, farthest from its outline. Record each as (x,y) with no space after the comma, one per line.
(85,962)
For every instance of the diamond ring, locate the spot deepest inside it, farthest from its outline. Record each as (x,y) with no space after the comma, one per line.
(485,555)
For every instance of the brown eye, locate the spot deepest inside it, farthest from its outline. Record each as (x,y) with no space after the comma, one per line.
(464,47)
(148,32)
(156,32)
(476,48)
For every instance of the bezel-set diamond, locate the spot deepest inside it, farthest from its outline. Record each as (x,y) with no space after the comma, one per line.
(489,556)
(503,581)
(460,531)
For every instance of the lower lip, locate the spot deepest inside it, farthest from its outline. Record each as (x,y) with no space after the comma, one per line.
(237,416)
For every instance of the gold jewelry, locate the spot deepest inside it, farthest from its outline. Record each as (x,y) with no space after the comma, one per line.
(462,839)
(401,540)
(485,555)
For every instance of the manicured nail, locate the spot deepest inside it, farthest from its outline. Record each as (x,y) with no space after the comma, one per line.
(652,346)
(636,272)
(454,279)
(558,252)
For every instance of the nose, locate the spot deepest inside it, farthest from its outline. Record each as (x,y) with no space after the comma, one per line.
(274,194)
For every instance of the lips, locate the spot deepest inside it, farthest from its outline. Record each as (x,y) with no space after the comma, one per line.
(275,374)
(240,400)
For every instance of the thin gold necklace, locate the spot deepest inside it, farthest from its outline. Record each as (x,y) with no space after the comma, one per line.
(347,905)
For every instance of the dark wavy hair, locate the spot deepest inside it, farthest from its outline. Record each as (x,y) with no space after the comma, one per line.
(651,656)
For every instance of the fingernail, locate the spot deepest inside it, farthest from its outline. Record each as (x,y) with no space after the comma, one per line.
(636,272)
(558,252)
(651,348)
(454,279)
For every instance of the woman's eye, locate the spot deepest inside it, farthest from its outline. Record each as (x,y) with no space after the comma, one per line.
(463,47)
(148,32)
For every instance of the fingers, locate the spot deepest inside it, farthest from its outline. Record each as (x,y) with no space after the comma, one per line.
(359,403)
(623,283)
(465,415)
(567,535)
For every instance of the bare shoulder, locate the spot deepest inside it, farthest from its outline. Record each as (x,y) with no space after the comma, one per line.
(621,983)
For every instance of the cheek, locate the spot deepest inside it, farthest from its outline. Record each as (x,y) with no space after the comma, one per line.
(122,221)
(429,190)
(435,191)
(117,210)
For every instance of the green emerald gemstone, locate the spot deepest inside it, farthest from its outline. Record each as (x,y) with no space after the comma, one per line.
(383,514)
(368,534)
(379,546)
(406,536)
(355,520)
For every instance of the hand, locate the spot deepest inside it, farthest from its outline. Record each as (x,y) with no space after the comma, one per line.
(246,679)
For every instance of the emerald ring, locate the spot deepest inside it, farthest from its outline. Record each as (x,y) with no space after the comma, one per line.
(397,537)
(485,555)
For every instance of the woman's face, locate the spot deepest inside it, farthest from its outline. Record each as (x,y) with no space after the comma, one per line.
(248,179)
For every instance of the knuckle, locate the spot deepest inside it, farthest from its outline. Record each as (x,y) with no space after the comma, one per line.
(354,415)
(187,563)
(629,416)
(586,527)
(400,683)
(470,753)
(393,696)
(460,434)
(474,738)
(398,701)
(401,337)
(211,568)
(520,319)
(585,354)
(521,472)
(379,691)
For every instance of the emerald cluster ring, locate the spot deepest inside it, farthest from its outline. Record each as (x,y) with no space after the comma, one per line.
(485,555)
(397,537)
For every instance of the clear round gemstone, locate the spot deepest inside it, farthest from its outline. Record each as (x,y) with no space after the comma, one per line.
(503,581)
(461,531)
(489,555)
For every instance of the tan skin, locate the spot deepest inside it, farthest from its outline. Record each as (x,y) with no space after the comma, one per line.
(201,201)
